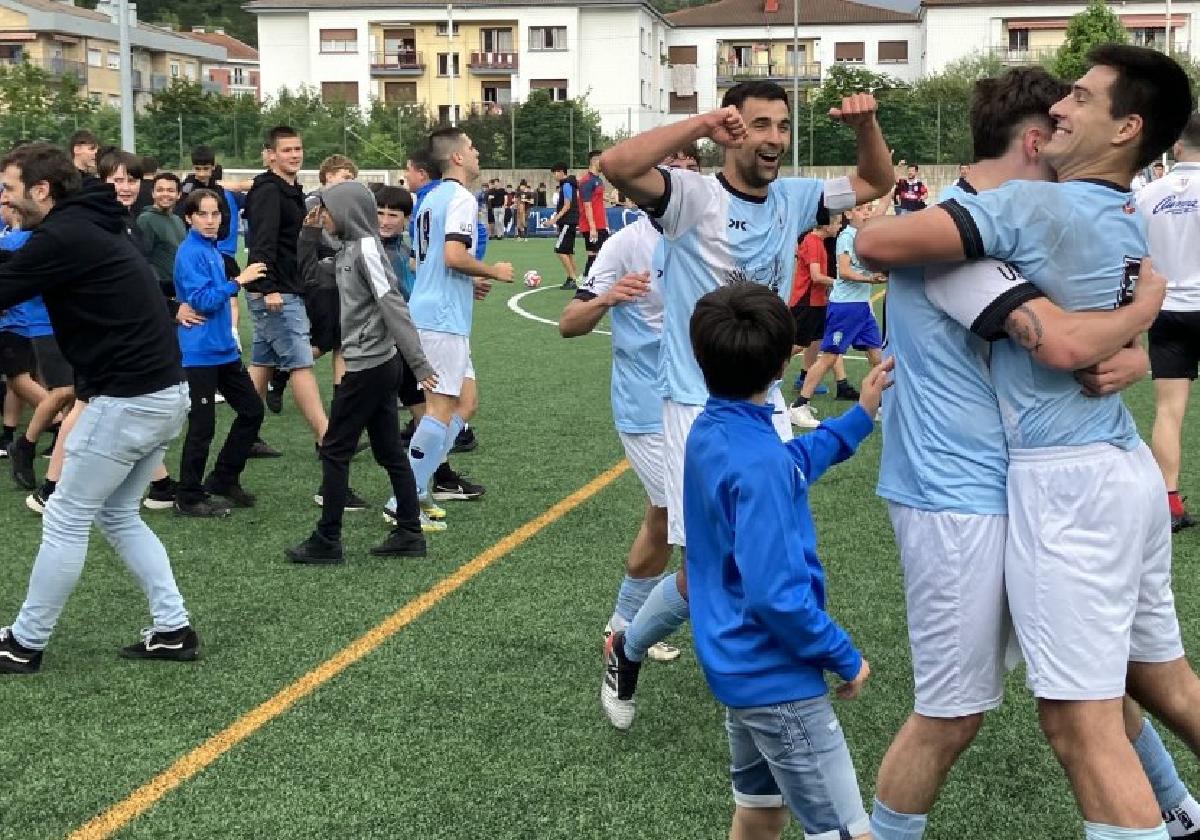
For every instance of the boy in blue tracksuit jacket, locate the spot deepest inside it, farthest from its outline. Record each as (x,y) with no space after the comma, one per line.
(756,589)
(213,363)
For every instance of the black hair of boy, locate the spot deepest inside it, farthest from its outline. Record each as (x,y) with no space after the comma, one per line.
(204,156)
(165,176)
(394,198)
(742,336)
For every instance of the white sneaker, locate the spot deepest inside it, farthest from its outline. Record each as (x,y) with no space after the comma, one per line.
(662,652)
(803,416)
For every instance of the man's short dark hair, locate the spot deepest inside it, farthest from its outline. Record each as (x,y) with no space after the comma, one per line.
(167,176)
(593,154)
(112,159)
(45,162)
(423,162)
(82,137)
(999,105)
(559,167)
(149,164)
(1151,85)
(279,132)
(204,156)
(742,336)
(739,93)
(443,143)
(914,166)
(394,198)
(192,203)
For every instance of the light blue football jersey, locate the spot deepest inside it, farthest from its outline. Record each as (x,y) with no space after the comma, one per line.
(943,442)
(849,291)
(636,326)
(443,300)
(716,236)
(1080,242)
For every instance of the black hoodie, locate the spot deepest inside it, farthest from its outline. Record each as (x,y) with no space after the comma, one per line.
(102,296)
(275,215)
(185,189)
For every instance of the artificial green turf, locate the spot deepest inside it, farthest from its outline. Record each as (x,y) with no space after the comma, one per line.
(481,719)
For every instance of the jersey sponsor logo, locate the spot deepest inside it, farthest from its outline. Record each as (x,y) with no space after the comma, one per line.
(738,224)
(1173,206)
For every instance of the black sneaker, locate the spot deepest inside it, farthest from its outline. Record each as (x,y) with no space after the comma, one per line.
(316,551)
(15,658)
(201,509)
(182,645)
(261,449)
(235,494)
(847,392)
(620,682)
(20,456)
(465,442)
(354,502)
(569,285)
(401,543)
(161,495)
(36,501)
(5,442)
(450,486)
(48,452)
(1178,523)
(274,396)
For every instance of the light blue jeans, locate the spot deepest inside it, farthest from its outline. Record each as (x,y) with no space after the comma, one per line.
(111,454)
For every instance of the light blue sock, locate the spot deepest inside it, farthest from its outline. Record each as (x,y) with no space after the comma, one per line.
(630,597)
(662,614)
(887,824)
(456,426)
(425,451)
(1169,789)
(1098,831)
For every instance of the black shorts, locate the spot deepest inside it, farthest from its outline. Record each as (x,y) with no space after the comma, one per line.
(54,371)
(324,309)
(565,244)
(1175,345)
(408,391)
(810,323)
(16,355)
(601,237)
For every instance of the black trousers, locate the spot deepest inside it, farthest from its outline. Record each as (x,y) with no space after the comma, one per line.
(234,383)
(366,399)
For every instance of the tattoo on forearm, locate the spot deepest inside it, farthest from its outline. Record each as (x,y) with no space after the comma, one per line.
(1024,327)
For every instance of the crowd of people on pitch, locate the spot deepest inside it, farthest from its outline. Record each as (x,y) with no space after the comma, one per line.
(120,329)
(1027,510)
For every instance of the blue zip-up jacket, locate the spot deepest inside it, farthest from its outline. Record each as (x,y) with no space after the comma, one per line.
(481,230)
(756,590)
(29,318)
(200,282)
(398,255)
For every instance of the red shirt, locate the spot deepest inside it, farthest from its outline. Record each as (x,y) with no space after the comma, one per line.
(591,191)
(804,290)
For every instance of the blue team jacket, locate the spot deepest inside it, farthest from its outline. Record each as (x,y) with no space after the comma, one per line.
(200,282)
(756,589)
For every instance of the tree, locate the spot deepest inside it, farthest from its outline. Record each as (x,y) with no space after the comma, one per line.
(550,132)
(1094,25)
(41,105)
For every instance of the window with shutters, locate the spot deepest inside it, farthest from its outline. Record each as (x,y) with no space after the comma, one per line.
(556,87)
(444,64)
(850,52)
(684,104)
(339,40)
(893,52)
(344,92)
(543,38)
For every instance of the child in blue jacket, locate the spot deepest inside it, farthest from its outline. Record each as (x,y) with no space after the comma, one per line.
(756,589)
(213,363)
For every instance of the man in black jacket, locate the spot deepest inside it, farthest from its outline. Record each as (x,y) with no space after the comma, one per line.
(104,304)
(275,214)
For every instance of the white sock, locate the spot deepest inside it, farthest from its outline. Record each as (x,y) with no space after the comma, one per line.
(1184,818)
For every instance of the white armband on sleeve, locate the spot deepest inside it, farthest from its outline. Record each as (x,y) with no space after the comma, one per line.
(838,196)
(979,295)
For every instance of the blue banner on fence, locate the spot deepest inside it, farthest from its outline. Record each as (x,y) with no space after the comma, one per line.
(539,217)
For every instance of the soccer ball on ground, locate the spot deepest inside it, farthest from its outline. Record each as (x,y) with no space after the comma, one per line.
(532,279)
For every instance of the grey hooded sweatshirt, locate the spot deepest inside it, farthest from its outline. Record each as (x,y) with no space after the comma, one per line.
(375,319)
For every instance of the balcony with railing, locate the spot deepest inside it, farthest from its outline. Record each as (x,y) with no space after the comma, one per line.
(493,62)
(731,72)
(397,63)
(489,109)
(57,67)
(1035,55)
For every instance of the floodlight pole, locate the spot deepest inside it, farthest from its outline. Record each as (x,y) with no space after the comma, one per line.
(795,87)
(128,139)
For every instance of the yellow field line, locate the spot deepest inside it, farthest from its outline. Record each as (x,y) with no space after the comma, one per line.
(145,797)
(878,296)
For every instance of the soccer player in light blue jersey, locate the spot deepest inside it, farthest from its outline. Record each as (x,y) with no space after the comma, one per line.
(626,281)
(944,465)
(739,225)
(1087,556)
(442,302)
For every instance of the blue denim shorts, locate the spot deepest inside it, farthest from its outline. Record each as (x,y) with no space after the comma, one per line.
(280,338)
(795,754)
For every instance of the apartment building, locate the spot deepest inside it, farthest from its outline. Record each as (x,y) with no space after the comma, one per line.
(67,40)
(238,74)
(477,55)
